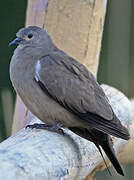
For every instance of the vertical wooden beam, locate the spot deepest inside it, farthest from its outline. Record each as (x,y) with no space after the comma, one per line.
(75,26)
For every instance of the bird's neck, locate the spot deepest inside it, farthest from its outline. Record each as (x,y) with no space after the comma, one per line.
(23,63)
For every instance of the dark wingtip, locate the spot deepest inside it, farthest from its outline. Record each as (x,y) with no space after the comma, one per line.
(125,133)
(127,137)
(106,146)
(120,171)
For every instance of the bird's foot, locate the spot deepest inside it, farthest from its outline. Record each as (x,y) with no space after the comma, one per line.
(56,128)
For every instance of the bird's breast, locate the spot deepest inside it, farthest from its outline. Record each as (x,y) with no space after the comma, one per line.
(40,104)
(45,108)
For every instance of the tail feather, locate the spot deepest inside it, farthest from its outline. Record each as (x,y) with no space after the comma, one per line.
(103,158)
(100,139)
(108,149)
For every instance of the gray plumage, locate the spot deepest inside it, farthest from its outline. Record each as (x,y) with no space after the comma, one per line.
(58,89)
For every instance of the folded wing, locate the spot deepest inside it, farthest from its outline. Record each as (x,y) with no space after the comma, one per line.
(70,84)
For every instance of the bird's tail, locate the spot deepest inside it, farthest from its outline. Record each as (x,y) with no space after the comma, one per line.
(100,139)
(108,149)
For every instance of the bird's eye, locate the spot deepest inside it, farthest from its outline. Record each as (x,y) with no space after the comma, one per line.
(30,36)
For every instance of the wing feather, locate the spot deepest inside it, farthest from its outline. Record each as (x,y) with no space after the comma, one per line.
(74,87)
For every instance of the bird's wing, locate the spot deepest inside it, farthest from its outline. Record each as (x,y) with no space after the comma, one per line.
(70,83)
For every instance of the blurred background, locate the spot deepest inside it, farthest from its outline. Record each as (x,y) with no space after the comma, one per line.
(12,15)
(116,59)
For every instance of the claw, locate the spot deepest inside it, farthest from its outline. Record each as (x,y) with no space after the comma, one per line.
(56,128)
(37,126)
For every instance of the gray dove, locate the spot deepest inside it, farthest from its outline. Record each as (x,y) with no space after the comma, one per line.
(62,92)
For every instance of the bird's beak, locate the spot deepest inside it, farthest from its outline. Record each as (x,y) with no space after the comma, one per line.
(15,41)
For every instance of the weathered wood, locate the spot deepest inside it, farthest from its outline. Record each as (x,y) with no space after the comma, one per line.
(127,154)
(40,154)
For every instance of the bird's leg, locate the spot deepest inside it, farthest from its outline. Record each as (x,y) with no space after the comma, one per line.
(56,128)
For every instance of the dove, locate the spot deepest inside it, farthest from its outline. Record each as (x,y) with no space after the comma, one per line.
(62,92)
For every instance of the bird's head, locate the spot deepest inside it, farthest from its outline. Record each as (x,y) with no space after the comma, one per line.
(32,36)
